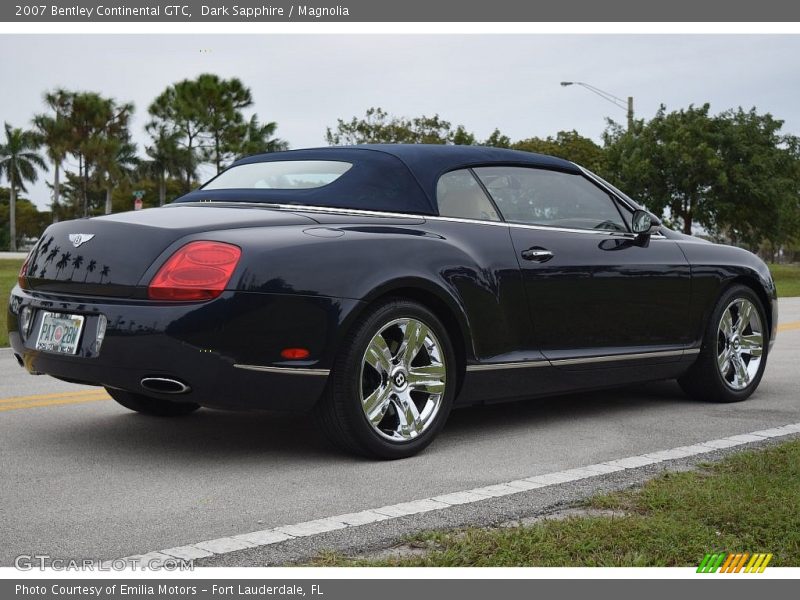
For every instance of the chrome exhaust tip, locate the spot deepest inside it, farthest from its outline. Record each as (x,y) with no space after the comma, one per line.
(164,385)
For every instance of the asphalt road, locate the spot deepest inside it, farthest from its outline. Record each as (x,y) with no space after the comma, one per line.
(82,477)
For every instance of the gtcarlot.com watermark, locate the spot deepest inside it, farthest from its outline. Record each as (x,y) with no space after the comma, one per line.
(30,562)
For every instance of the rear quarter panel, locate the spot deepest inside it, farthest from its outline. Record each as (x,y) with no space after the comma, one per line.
(470,268)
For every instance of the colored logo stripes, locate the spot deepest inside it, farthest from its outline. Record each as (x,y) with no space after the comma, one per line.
(734,563)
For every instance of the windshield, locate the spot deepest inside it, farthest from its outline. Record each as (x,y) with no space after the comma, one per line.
(279,175)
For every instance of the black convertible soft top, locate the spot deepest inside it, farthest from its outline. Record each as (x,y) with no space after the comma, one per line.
(384,177)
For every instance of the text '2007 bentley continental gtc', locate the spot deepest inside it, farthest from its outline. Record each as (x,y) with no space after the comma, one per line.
(379,286)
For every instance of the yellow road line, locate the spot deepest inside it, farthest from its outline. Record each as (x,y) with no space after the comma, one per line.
(79,394)
(54,402)
(789,326)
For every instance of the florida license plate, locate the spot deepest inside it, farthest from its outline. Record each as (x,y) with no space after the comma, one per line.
(59,333)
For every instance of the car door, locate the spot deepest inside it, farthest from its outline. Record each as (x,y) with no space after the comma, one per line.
(596,293)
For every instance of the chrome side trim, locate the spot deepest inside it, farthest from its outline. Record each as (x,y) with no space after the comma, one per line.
(617,357)
(528,364)
(376,213)
(581,361)
(285,370)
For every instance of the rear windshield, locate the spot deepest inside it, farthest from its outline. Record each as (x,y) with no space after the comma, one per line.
(279,175)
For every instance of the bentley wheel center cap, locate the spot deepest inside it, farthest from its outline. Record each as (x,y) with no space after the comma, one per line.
(400,379)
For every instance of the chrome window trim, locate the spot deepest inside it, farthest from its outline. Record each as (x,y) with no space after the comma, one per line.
(582,361)
(376,213)
(589,175)
(285,370)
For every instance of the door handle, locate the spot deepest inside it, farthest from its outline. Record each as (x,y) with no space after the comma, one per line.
(537,254)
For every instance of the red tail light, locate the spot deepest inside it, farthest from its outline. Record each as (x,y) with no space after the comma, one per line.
(22,278)
(197,271)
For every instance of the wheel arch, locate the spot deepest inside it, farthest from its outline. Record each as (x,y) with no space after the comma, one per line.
(752,282)
(439,301)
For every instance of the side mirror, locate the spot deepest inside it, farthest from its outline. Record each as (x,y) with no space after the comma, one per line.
(643,223)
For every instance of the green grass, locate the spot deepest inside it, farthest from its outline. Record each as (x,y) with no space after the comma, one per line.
(746,503)
(9,269)
(787,279)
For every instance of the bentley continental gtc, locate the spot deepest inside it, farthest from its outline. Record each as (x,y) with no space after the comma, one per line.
(379,286)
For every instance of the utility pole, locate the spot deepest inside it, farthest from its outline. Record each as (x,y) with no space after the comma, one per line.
(630,113)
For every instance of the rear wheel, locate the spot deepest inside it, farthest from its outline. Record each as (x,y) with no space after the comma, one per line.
(734,352)
(151,406)
(392,386)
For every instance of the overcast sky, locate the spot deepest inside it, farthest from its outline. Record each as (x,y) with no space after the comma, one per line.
(305,82)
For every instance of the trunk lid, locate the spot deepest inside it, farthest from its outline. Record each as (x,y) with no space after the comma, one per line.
(107,256)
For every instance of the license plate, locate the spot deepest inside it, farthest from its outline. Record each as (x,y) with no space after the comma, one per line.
(59,333)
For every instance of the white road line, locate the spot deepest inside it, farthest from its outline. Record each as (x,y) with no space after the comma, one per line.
(276,535)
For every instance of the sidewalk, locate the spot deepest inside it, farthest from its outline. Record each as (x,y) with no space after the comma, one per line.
(13,255)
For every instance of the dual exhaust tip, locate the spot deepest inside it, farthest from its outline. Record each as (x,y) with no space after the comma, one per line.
(164,385)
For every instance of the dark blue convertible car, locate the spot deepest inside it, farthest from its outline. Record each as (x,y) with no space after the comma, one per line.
(379,286)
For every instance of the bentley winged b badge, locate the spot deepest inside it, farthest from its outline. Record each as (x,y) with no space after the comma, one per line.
(80,238)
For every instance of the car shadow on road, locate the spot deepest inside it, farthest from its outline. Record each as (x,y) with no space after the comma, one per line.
(214,436)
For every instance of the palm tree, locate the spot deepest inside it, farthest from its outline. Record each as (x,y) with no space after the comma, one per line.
(116,163)
(259,138)
(18,162)
(94,121)
(77,263)
(89,269)
(63,262)
(166,157)
(53,131)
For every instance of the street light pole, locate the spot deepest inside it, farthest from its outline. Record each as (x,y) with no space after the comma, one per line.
(615,100)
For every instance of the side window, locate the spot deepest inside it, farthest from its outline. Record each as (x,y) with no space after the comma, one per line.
(458,194)
(541,197)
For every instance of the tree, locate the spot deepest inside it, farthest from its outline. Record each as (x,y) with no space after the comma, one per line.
(569,145)
(18,162)
(498,140)
(98,132)
(206,117)
(29,221)
(224,122)
(378,126)
(734,174)
(117,162)
(258,138)
(53,133)
(166,158)
(758,193)
(671,163)
(179,111)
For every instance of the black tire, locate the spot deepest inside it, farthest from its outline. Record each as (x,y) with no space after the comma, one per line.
(151,406)
(704,380)
(340,414)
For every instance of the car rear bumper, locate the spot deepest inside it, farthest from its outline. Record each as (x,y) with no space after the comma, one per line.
(226,351)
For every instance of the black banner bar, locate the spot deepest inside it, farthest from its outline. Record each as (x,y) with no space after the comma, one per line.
(732,588)
(463,11)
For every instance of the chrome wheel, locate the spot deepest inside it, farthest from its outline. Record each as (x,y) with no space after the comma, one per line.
(740,343)
(403,377)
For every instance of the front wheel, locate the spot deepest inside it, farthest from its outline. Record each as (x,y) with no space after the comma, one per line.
(734,352)
(151,406)
(393,384)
